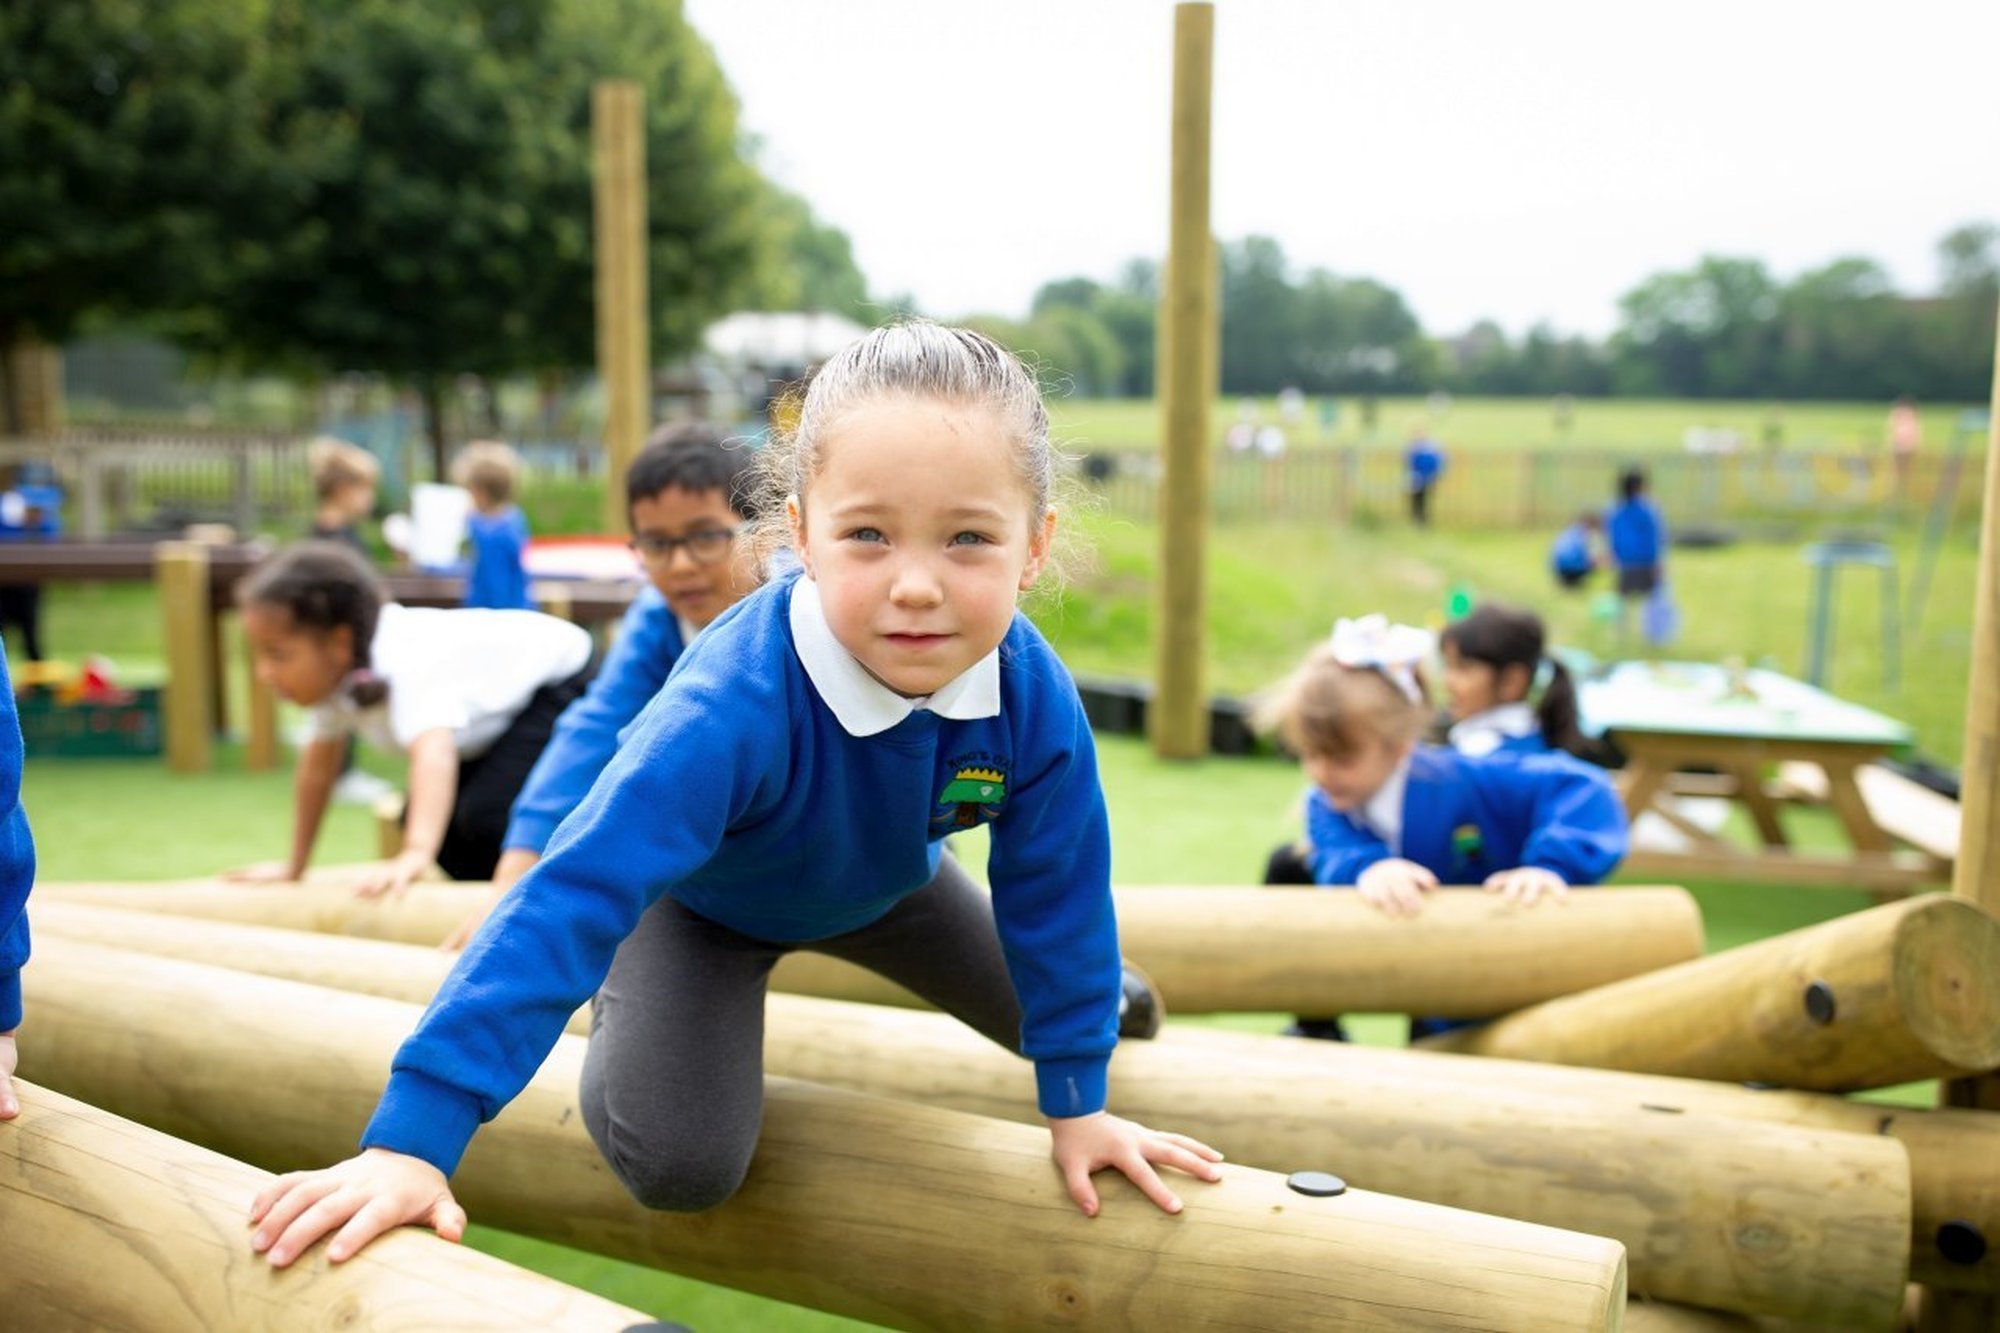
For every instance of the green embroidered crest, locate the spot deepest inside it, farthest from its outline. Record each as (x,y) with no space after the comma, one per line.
(1466,842)
(971,788)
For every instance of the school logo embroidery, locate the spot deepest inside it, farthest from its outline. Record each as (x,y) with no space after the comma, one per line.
(1466,843)
(974,790)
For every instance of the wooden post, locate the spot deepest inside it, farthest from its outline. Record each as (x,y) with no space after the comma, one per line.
(1468,955)
(1892,995)
(113,1225)
(1818,1226)
(1179,715)
(260,749)
(624,357)
(1976,876)
(854,1204)
(189,700)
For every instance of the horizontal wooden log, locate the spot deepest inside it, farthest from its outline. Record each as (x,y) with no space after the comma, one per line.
(905,1215)
(109,1224)
(1467,955)
(1820,1221)
(1891,995)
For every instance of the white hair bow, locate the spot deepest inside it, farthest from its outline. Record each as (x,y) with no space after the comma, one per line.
(1394,650)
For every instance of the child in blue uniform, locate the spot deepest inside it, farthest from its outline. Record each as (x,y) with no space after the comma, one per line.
(688,498)
(17,873)
(1502,689)
(496,529)
(788,788)
(1395,818)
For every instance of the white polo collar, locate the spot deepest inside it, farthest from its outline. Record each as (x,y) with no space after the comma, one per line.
(864,705)
(1383,811)
(1483,733)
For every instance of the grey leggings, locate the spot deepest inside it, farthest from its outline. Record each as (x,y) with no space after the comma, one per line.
(673,1083)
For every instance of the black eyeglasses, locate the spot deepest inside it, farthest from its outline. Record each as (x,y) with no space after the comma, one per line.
(706,547)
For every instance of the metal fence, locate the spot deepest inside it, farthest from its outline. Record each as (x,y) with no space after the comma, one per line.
(142,480)
(1536,489)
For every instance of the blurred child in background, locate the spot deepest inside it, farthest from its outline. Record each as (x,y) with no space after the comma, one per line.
(1503,691)
(497,578)
(344,478)
(1573,558)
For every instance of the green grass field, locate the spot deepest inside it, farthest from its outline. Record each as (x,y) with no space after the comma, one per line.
(1275,589)
(1626,425)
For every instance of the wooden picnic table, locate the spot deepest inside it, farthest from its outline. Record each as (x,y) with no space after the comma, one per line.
(1697,729)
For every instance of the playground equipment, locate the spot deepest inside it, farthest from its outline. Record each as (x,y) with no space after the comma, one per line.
(1468,955)
(1820,1220)
(113,1225)
(1892,995)
(900,1214)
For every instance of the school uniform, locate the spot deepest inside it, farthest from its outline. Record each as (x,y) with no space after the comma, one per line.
(497,680)
(1465,818)
(498,579)
(1638,538)
(650,640)
(773,796)
(17,857)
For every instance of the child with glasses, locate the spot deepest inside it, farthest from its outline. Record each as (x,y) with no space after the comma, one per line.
(688,499)
(789,788)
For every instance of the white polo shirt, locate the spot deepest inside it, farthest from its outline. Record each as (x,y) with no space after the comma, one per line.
(865,706)
(469,670)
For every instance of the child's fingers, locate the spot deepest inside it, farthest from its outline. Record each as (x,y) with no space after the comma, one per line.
(1076,1175)
(448,1219)
(316,1221)
(1193,1145)
(1141,1173)
(1162,1153)
(1426,879)
(378,1215)
(10,1105)
(288,1206)
(273,1192)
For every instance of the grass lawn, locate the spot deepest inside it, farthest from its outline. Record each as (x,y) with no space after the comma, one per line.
(1277,588)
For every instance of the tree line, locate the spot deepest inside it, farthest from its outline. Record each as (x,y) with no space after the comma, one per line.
(331,185)
(1724,328)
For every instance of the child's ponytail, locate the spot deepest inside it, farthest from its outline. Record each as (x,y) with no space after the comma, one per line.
(1557,711)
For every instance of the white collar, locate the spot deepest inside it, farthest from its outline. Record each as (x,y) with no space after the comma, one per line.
(863,704)
(1384,810)
(687,628)
(1482,733)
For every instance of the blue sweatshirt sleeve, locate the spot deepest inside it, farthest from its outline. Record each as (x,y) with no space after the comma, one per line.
(586,735)
(1577,823)
(17,857)
(693,761)
(1341,849)
(1050,868)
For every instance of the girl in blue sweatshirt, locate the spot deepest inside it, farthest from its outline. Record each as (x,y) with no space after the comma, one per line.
(788,788)
(17,873)
(1502,689)
(1395,818)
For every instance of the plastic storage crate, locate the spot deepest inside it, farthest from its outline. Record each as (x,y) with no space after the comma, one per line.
(87,729)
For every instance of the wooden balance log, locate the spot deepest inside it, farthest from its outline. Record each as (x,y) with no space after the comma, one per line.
(1467,955)
(905,1215)
(1891,995)
(1954,1154)
(110,1224)
(1818,1221)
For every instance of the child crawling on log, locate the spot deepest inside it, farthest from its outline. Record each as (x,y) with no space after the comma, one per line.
(17,873)
(789,787)
(1395,818)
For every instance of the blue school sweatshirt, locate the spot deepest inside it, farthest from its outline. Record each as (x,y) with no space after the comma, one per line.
(497,579)
(738,793)
(1465,818)
(17,857)
(586,735)
(1636,533)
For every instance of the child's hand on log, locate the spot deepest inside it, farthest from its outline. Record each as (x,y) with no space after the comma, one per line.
(392,876)
(363,1196)
(1396,886)
(1086,1143)
(1527,885)
(264,872)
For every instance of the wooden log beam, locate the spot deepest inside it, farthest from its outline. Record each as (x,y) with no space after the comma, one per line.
(113,1225)
(901,1214)
(1892,995)
(1468,955)
(1819,1221)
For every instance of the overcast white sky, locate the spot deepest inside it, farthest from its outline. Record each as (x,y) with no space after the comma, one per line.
(1527,160)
